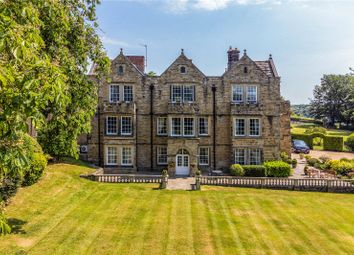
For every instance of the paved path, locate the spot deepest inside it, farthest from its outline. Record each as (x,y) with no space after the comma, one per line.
(180,183)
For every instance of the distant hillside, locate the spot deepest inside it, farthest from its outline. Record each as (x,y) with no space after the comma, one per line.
(302,110)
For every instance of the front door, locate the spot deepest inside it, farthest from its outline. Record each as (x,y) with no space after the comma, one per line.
(182,164)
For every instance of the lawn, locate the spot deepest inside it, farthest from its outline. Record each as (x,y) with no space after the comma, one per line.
(64,214)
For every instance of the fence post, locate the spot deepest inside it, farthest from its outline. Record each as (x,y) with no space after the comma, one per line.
(197,183)
(262,183)
(164,180)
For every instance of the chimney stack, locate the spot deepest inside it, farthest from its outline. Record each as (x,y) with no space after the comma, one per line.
(233,55)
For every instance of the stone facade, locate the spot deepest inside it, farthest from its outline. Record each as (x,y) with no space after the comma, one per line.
(202,108)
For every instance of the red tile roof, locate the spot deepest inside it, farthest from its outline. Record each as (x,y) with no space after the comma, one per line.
(138,61)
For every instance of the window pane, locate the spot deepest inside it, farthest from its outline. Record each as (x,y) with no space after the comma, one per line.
(255,156)
(112,158)
(239,127)
(188,126)
(188,93)
(162,155)
(240,156)
(162,126)
(252,94)
(111,125)
(237,93)
(176,126)
(203,126)
(254,127)
(126,126)
(128,93)
(114,93)
(127,156)
(203,156)
(176,93)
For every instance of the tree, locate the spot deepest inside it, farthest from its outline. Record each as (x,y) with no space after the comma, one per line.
(333,99)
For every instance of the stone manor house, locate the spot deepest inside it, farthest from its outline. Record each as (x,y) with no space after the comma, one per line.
(184,120)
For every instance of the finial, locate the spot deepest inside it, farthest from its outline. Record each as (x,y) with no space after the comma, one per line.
(121,50)
(182,51)
(230,48)
(244,52)
(270,56)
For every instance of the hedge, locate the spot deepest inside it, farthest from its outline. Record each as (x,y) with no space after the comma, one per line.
(277,169)
(236,170)
(330,143)
(254,170)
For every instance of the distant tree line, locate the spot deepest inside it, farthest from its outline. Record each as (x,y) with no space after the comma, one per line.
(333,100)
(301,110)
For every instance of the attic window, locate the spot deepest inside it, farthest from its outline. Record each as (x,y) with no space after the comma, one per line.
(245,69)
(120,69)
(182,69)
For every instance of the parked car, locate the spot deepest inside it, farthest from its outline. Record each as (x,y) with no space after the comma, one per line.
(299,146)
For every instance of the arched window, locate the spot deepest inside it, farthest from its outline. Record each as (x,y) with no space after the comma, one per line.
(245,69)
(120,69)
(183,69)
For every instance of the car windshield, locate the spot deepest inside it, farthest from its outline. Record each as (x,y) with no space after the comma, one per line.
(299,143)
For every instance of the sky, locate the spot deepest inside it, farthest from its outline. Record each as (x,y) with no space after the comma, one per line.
(306,38)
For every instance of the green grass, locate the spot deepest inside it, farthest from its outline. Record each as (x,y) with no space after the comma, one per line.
(64,214)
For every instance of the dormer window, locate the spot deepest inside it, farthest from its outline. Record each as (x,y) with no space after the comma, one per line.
(120,70)
(182,69)
(245,69)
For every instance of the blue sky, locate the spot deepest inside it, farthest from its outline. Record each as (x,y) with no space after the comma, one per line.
(306,38)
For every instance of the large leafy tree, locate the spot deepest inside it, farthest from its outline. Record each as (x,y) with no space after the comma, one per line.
(333,99)
(45,49)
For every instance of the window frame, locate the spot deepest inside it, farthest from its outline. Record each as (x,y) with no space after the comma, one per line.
(107,125)
(206,122)
(234,89)
(121,126)
(244,127)
(184,128)
(131,93)
(247,94)
(207,156)
(107,156)
(259,154)
(182,89)
(122,156)
(110,93)
(159,155)
(244,156)
(180,126)
(259,127)
(192,90)
(158,125)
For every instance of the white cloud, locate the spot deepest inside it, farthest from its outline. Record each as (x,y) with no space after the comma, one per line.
(111,41)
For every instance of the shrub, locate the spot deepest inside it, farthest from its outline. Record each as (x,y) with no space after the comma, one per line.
(236,170)
(340,167)
(312,161)
(333,143)
(254,170)
(277,169)
(284,156)
(313,130)
(4,226)
(350,142)
(38,164)
(324,159)
(306,168)
(307,157)
(294,163)
(9,186)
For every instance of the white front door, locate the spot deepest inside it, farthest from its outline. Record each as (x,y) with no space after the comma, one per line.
(182,164)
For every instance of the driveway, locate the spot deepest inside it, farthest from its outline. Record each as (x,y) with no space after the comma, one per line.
(299,170)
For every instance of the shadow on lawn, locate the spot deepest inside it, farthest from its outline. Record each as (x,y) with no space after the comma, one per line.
(16,225)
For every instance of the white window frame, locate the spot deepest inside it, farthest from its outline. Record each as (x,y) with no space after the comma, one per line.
(130,163)
(234,90)
(110,93)
(247,94)
(206,123)
(181,126)
(182,89)
(190,87)
(244,127)
(259,127)
(130,94)
(159,155)
(121,125)
(259,156)
(184,128)
(207,156)
(108,156)
(158,125)
(173,97)
(107,125)
(244,156)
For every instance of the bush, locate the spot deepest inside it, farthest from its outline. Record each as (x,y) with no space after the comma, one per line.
(350,142)
(254,170)
(307,157)
(324,159)
(277,169)
(293,163)
(9,186)
(4,226)
(333,143)
(313,130)
(236,170)
(312,161)
(340,167)
(38,164)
